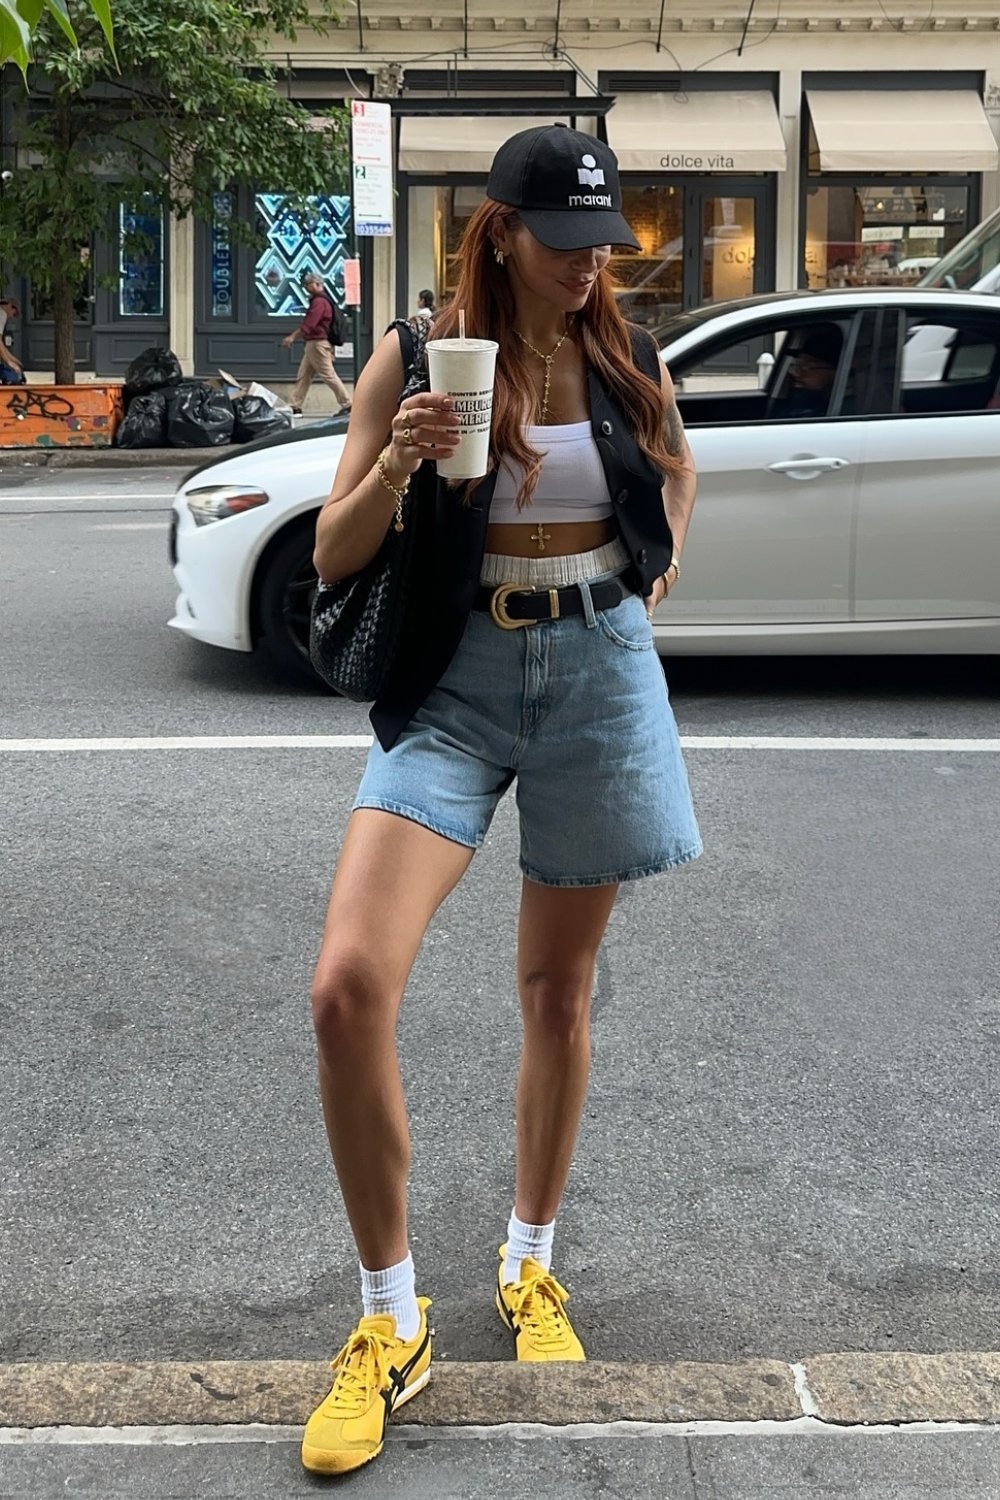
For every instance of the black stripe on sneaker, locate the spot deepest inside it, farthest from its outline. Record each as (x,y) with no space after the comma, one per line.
(509,1316)
(404,1374)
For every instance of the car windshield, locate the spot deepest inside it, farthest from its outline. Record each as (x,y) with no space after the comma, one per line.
(973,265)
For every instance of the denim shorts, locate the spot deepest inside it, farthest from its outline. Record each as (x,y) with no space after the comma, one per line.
(575,711)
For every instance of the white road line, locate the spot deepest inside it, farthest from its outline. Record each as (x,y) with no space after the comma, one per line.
(831,742)
(362,741)
(200,742)
(128,526)
(519,1431)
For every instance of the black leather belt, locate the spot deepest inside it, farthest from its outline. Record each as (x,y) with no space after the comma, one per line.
(514,605)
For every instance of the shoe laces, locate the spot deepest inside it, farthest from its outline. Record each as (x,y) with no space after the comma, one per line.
(538,1303)
(360,1369)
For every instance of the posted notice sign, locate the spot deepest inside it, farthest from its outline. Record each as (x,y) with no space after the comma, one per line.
(371,160)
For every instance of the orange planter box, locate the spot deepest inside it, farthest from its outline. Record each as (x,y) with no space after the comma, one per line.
(59,416)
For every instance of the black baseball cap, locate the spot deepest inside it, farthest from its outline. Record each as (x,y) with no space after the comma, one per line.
(564,185)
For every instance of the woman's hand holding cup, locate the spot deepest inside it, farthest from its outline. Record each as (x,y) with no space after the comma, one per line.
(424,427)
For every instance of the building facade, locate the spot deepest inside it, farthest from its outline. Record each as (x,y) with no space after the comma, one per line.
(791,144)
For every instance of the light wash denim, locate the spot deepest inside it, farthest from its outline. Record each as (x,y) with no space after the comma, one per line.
(575,711)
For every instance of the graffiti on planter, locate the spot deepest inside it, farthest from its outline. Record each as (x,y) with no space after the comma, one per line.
(45,404)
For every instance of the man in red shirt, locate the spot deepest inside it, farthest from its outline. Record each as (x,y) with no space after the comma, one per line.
(320,322)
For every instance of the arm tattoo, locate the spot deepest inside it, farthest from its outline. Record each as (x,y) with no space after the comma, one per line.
(673,430)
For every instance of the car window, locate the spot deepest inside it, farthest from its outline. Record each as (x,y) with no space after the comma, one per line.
(950,362)
(803,369)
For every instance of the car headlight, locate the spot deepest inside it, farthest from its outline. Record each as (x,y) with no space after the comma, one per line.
(215,502)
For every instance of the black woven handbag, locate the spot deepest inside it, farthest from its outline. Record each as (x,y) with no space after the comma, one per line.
(356,623)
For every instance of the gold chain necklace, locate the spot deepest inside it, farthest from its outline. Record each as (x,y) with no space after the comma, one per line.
(547,362)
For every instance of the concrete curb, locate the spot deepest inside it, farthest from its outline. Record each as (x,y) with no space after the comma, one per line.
(108,458)
(841,1389)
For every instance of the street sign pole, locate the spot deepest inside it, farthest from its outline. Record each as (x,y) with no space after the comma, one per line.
(371,166)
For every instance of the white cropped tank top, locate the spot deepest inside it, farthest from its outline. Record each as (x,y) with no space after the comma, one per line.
(571,486)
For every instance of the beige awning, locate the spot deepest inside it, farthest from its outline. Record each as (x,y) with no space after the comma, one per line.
(451,143)
(931,130)
(730,132)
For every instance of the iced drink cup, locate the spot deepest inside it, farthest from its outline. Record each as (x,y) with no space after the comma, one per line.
(464,370)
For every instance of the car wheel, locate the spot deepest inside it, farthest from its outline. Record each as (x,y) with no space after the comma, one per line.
(287,584)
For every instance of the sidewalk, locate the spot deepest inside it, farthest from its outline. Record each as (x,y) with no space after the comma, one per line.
(755,1430)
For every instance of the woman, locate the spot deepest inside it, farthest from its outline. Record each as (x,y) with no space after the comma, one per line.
(425,306)
(530,657)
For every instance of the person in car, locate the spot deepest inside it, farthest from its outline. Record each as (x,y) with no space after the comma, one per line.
(527,655)
(813,371)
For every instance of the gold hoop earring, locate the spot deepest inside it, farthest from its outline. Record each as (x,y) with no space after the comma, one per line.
(498,255)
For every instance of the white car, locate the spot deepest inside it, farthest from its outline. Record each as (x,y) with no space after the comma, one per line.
(843,507)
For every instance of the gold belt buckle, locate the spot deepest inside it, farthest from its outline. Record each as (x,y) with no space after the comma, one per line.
(498,605)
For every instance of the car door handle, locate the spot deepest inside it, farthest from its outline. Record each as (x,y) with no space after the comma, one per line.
(805,464)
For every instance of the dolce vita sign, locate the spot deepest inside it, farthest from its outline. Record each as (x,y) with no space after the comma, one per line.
(697,132)
(686,161)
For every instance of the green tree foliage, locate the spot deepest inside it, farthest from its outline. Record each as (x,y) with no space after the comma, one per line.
(188,105)
(19,19)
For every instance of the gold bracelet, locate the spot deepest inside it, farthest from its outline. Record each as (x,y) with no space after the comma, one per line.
(676,567)
(387,484)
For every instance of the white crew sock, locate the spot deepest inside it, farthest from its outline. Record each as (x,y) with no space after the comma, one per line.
(523,1240)
(393,1291)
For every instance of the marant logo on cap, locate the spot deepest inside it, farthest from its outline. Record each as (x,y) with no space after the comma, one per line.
(590,174)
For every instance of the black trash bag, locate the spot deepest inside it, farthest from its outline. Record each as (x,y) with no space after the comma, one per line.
(254,419)
(145,424)
(198,416)
(151,370)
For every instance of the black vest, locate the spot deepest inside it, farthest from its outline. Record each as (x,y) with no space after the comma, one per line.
(452,539)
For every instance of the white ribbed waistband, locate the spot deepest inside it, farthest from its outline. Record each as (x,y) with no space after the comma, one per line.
(554,572)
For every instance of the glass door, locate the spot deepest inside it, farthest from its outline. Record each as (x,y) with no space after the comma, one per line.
(728,231)
(729,251)
(705,239)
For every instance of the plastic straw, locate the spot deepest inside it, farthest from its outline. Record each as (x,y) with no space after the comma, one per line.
(461,322)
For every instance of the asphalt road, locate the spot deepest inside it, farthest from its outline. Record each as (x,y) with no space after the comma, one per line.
(791,1139)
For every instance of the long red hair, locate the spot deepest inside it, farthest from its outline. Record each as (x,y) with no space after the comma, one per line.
(485,293)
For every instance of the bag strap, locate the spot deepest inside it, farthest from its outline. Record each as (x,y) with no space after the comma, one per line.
(645,354)
(407,345)
(412,343)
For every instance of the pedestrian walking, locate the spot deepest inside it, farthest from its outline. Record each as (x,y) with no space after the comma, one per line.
(527,656)
(425,305)
(11,369)
(322,328)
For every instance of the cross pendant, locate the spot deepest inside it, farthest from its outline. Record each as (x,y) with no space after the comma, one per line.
(541,537)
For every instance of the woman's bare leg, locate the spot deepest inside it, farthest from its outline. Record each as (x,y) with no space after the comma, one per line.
(560,931)
(391,877)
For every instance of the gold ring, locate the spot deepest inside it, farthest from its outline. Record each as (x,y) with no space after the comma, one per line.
(407,433)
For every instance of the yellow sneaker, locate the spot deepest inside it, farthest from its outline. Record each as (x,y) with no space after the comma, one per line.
(533,1309)
(373,1374)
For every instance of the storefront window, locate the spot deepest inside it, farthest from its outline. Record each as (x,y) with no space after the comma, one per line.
(651,283)
(436,222)
(222,255)
(884,234)
(140,262)
(316,240)
(83,292)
